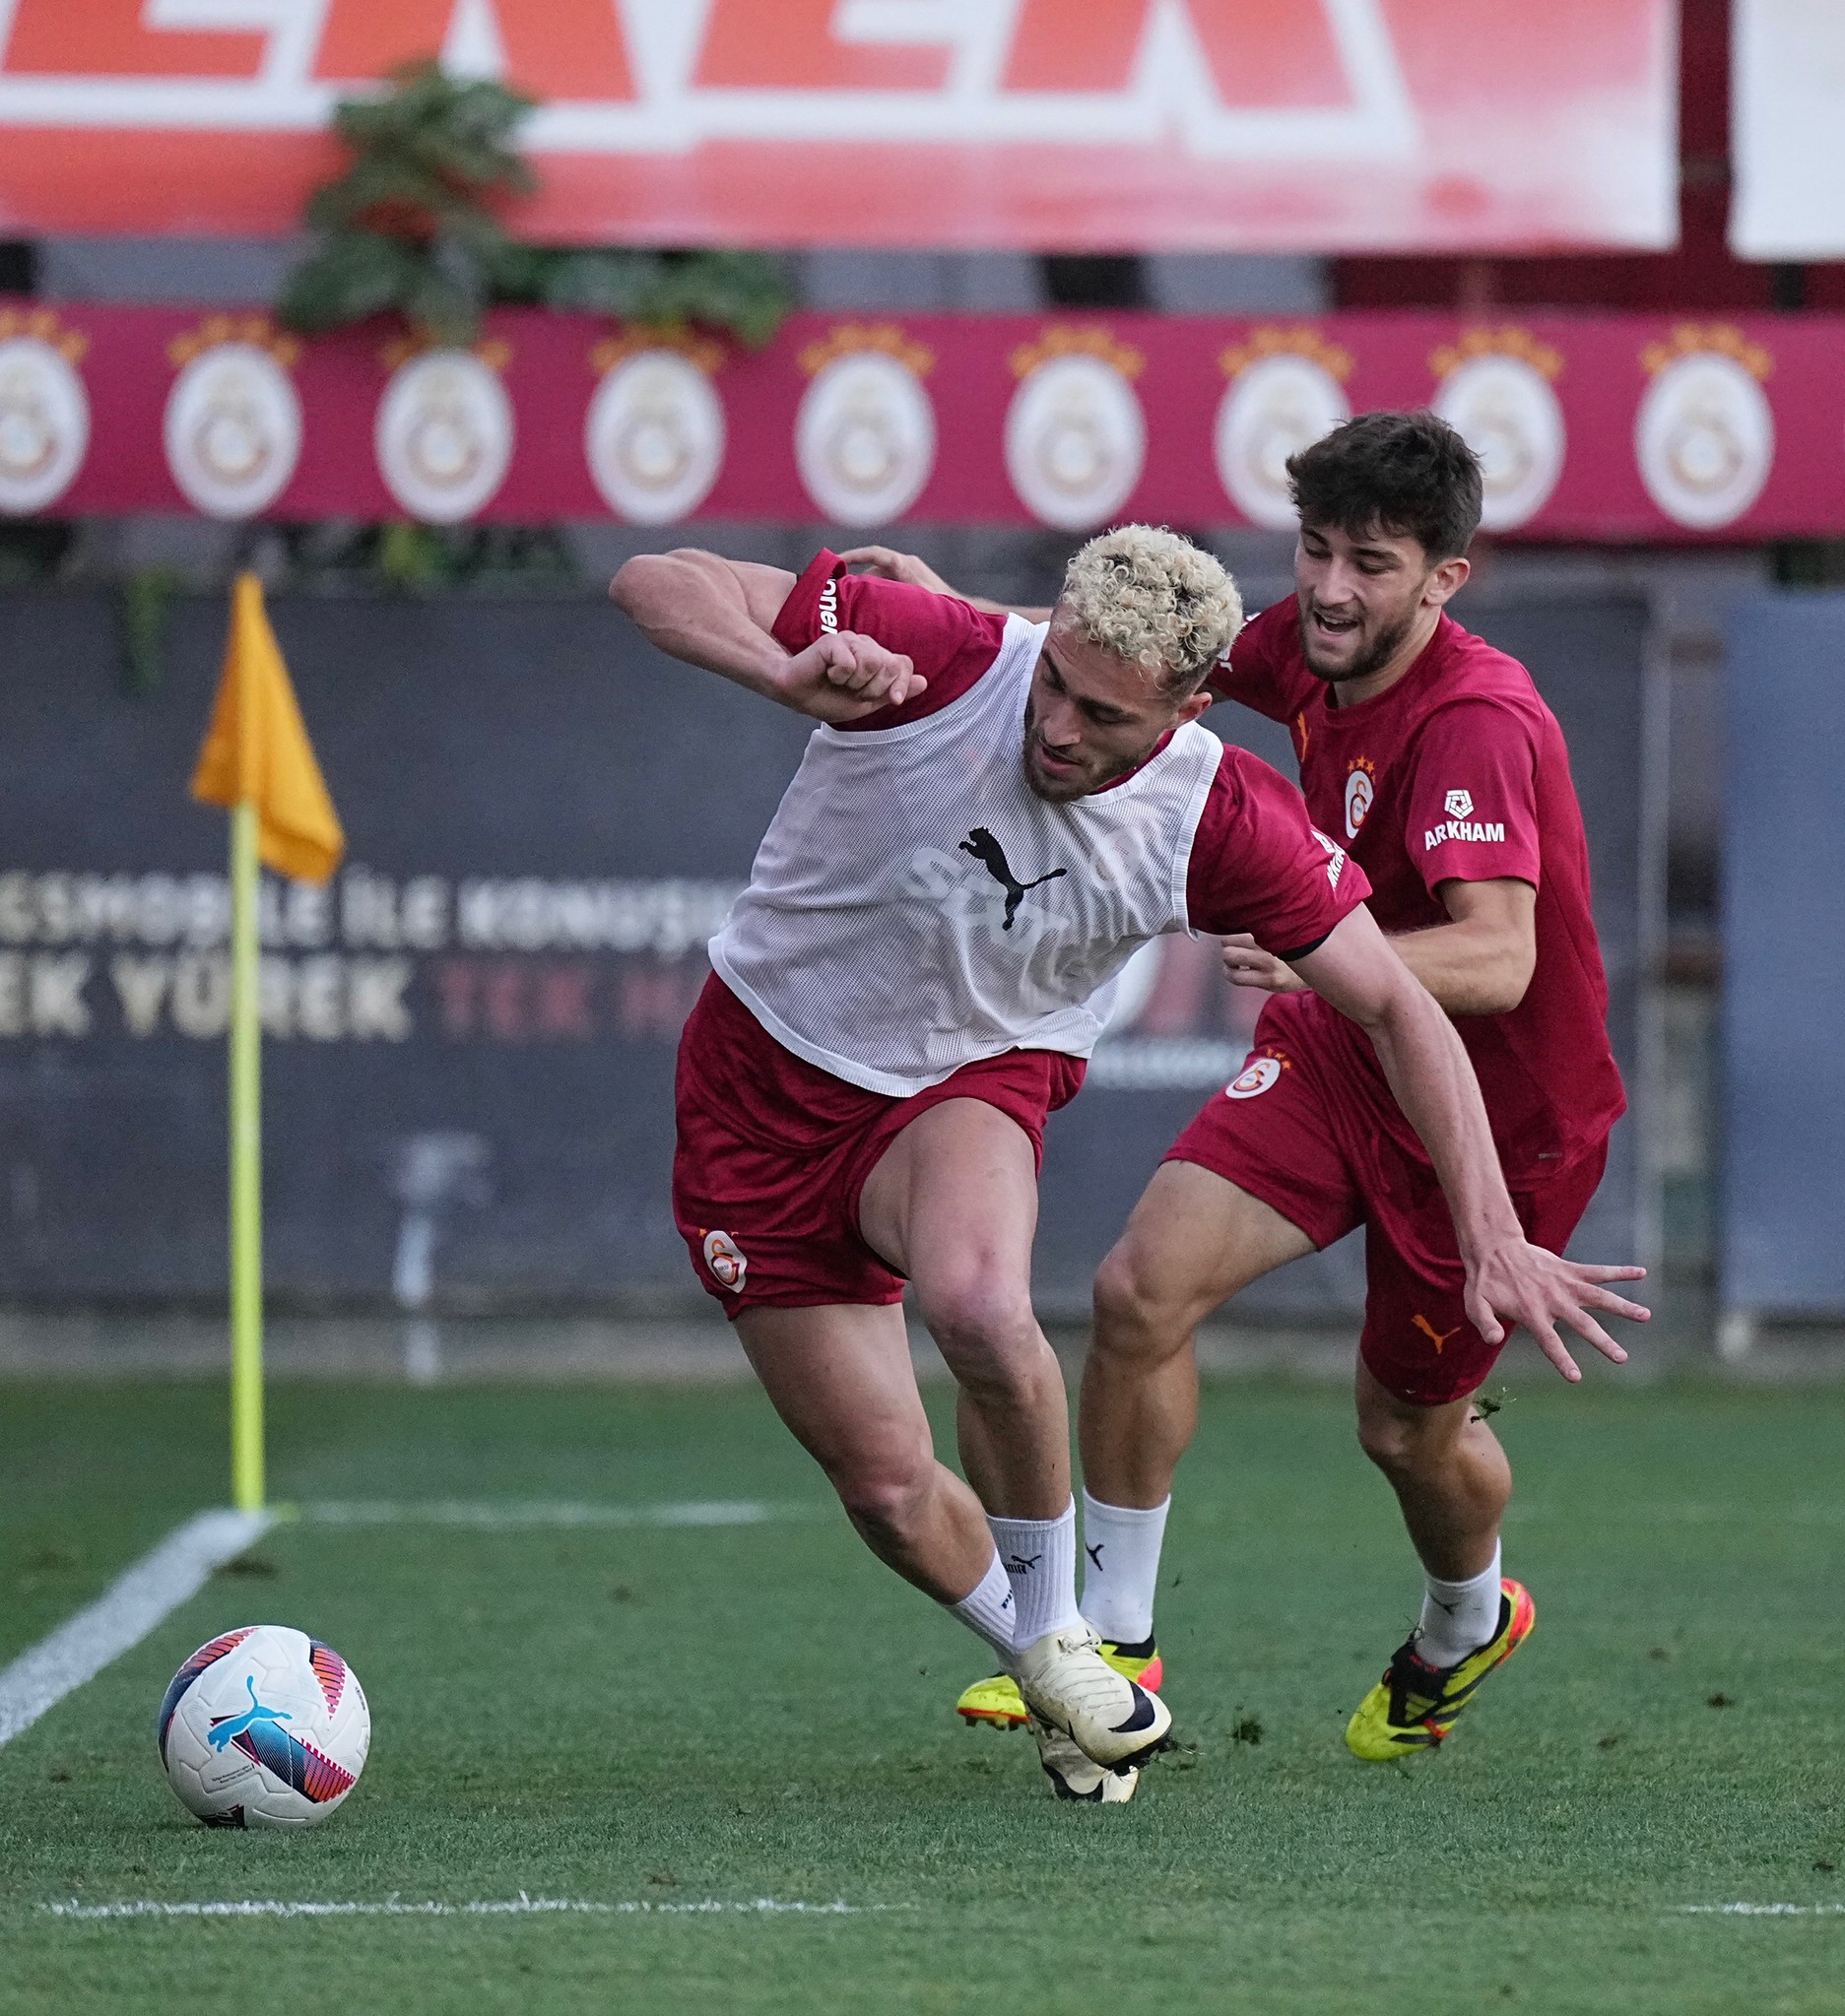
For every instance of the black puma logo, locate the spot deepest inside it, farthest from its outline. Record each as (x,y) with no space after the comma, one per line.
(1095,1553)
(1021,1564)
(992,856)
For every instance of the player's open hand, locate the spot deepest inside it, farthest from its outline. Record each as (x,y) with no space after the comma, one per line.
(843,676)
(888,564)
(1521,1283)
(1246,965)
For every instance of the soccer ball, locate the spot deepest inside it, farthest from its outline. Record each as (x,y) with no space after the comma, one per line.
(264,1727)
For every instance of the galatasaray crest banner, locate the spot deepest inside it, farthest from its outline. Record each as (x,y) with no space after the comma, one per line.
(1600,428)
(1273,125)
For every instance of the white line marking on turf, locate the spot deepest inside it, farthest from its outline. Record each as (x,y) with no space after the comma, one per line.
(487,1517)
(490,1907)
(1761,1910)
(133,1605)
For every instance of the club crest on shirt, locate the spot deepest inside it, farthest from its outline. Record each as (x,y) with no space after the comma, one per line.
(1360,789)
(1255,1077)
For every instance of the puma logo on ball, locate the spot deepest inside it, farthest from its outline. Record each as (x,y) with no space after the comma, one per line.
(992,856)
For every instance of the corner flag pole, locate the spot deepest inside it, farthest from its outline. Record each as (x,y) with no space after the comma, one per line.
(256,762)
(246,1172)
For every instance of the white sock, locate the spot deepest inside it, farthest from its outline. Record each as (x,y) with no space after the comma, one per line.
(1039,1556)
(1121,1549)
(988,1610)
(1459,1617)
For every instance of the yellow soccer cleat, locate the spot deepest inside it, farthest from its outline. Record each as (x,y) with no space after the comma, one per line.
(998,1702)
(1414,1706)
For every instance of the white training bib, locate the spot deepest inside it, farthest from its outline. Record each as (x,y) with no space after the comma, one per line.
(915,905)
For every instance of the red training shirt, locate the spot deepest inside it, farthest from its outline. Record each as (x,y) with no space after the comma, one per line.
(1257,864)
(1460,772)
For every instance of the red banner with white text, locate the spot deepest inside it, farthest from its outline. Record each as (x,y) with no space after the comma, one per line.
(1215,125)
(1615,427)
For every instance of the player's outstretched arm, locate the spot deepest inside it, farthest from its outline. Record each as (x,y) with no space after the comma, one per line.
(1509,1281)
(719,615)
(888,564)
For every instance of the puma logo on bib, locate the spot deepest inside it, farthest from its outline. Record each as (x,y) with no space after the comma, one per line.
(992,856)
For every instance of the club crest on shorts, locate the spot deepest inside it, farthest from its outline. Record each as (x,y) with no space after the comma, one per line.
(1256,1076)
(724,1257)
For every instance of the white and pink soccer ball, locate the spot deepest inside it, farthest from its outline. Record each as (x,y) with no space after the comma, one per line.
(264,1727)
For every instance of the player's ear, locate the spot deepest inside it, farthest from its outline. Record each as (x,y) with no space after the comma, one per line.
(1193,705)
(1447,580)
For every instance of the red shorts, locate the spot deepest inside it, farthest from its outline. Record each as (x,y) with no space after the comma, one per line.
(773,1152)
(1314,1133)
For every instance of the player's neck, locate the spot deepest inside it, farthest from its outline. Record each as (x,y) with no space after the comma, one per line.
(1350,693)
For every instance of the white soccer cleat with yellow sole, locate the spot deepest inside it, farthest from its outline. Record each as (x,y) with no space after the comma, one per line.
(1065,1682)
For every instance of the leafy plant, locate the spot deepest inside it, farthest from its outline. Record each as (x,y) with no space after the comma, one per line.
(413,225)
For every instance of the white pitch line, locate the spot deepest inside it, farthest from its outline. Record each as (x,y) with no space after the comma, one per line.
(1760,1910)
(487,1516)
(133,1605)
(492,1907)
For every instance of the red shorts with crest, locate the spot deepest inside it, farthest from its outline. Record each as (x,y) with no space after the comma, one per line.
(1317,1136)
(773,1152)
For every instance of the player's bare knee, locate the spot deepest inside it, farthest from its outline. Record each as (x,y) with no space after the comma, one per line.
(990,1324)
(1405,1445)
(888,1502)
(1133,1318)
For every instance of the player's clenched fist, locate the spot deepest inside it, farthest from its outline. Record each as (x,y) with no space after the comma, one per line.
(842,676)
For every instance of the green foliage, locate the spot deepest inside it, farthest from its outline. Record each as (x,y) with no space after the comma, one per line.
(144,606)
(424,560)
(412,226)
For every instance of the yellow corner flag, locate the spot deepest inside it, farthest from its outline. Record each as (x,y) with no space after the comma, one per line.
(258,761)
(256,751)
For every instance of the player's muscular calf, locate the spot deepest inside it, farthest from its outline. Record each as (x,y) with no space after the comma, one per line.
(1450,1474)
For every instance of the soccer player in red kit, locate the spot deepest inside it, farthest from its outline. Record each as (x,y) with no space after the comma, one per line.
(1432,758)
(991,817)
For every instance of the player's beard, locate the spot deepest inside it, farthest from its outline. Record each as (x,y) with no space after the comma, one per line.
(1374,656)
(1088,774)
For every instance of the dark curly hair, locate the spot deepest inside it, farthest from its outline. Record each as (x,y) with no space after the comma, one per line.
(1406,474)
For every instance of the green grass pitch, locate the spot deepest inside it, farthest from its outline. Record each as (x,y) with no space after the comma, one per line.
(681,1715)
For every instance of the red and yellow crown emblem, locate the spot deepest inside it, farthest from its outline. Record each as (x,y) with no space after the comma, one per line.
(495,351)
(1693,339)
(258,331)
(701,352)
(1077,339)
(1300,340)
(42,324)
(1510,341)
(849,338)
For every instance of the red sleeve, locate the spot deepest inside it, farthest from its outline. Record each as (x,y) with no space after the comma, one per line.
(1263,667)
(949,642)
(1472,806)
(1259,865)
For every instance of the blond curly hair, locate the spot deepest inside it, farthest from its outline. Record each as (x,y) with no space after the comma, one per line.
(1153,600)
